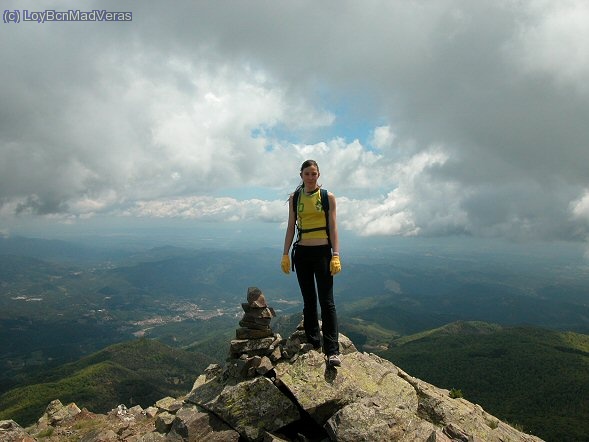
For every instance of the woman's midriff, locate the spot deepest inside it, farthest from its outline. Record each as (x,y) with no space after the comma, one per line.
(314,242)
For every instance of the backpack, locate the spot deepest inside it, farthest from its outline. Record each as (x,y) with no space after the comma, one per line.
(325,207)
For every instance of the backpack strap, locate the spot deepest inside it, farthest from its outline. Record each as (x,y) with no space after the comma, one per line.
(295,206)
(325,205)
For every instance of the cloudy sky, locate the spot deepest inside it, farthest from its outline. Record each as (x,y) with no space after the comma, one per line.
(427,118)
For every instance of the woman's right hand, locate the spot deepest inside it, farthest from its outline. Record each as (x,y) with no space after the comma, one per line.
(285,264)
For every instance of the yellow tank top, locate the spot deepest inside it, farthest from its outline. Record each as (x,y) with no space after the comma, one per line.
(311,215)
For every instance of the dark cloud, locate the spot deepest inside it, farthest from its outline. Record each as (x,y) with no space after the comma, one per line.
(486,103)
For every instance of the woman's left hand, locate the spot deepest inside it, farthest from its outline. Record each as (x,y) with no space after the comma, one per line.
(335,265)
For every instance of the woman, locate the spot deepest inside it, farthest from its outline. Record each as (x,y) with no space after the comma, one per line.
(315,257)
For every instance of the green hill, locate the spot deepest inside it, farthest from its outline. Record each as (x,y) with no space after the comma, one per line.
(532,377)
(135,372)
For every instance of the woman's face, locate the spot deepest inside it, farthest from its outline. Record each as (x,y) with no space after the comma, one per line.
(310,175)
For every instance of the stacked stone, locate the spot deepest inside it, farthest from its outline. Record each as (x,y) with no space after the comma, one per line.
(255,323)
(256,347)
(297,343)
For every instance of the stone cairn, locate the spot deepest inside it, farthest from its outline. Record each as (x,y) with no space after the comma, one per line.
(257,348)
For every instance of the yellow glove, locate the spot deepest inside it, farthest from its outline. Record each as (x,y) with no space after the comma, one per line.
(335,266)
(285,264)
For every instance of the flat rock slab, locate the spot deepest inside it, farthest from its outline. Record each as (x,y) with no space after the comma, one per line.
(250,407)
(322,391)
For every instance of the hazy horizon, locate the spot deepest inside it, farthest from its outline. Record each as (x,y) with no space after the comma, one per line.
(251,236)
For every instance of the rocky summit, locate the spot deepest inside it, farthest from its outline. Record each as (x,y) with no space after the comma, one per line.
(272,389)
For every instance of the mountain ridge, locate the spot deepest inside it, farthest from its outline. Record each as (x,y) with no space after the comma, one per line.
(141,369)
(445,344)
(536,377)
(297,396)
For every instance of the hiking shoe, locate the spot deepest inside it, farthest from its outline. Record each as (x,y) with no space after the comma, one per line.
(334,361)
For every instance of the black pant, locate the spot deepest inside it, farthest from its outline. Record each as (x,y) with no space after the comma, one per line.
(312,265)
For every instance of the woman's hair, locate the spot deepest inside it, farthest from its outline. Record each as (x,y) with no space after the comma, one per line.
(308,163)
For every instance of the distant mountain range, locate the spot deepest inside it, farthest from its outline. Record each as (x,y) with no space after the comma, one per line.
(61,302)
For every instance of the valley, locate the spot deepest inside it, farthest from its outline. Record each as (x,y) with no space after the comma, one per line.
(518,322)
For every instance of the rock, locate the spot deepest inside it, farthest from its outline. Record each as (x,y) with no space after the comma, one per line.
(122,413)
(251,347)
(152,437)
(250,406)
(369,398)
(253,311)
(10,431)
(248,333)
(193,425)
(438,436)
(255,297)
(163,422)
(56,412)
(169,404)
(137,411)
(255,340)
(322,391)
(346,346)
(371,420)
(264,366)
(210,372)
(151,412)
(258,324)
(459,417)
(269,437)
(276,354)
